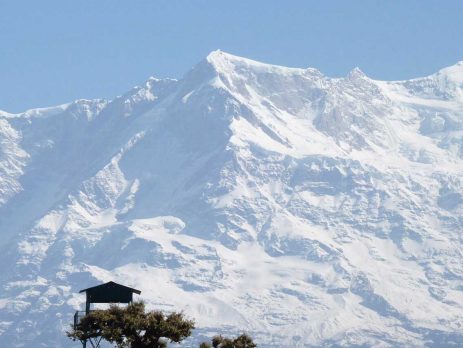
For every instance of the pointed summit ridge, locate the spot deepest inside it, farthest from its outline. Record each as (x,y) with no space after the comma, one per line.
(221,60)
(454,73)
(225,61)
(218,55)
(356,73)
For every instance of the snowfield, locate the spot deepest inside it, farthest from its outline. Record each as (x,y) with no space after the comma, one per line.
(302,209)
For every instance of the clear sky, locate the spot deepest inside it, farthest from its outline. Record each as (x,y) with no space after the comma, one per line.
(52,52)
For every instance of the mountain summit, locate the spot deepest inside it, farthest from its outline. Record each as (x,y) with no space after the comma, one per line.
(303,209)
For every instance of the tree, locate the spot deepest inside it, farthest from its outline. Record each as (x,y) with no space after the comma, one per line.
(133,327)
(242,341)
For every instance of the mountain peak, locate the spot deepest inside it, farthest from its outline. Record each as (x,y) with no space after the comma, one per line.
(453,72)
(356,73)
(225,62)
(221,61)
(219,55)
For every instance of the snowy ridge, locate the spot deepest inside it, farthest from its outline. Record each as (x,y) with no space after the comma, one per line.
(304,209)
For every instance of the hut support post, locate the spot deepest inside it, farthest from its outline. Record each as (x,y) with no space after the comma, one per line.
(87,311)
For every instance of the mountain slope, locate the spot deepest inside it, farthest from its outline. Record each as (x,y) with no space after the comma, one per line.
(304,209)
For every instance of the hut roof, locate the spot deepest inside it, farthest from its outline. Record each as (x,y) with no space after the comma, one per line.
(110,292)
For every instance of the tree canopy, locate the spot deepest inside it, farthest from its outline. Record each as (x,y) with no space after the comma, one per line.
(133,327)
(242,341)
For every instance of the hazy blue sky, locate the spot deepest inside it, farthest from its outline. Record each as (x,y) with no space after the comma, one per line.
(53,52)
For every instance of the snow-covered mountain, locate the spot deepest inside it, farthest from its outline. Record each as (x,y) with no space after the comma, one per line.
(303,209)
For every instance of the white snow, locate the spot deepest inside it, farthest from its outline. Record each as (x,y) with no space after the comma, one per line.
(303,209)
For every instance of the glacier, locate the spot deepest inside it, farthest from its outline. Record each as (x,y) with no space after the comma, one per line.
(305,210)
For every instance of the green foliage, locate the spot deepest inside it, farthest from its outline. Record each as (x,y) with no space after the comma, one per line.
(205,345)
(242,341)
(133,327)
